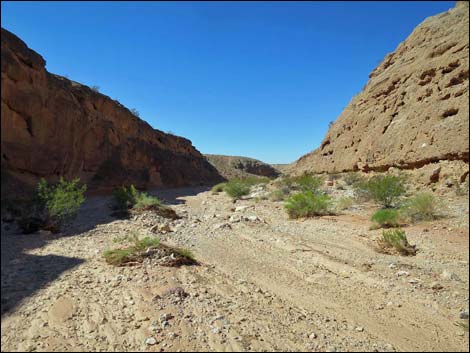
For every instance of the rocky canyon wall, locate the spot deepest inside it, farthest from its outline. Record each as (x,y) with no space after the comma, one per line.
(413,111)
(52,126)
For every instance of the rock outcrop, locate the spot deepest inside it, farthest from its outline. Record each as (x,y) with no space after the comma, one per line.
(52,126)
(413,111)
(240,167)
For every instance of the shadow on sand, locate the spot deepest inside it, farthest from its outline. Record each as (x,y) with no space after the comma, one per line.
(173,196)
(23,274)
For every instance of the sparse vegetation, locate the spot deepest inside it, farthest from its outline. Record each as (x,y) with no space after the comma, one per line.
(308,182)
(396,238)
(146,247)
(127,200)
(386,218)
(125,239)
(353,178)
(307,204)
(461,189)
(120,256)
(127,197)
(218,188)
(145,201)
(146,243)
(135,112)
(95,89)
(280,194)
(236,189)
(186,253)
(305,182)
(344,203)
(386,190)
(124,197)
(52,206)
(463,325)
(117,256)
(422,207)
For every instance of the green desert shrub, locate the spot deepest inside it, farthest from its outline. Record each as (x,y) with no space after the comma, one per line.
(186,253)
(307,204)
(218,188)
(120,256)
(255,180)
(117,256)
(386,218)
(61,200)
(279,194)
(146,247)
(308,182)
(305,182)
(146,243)
(422,207)
(397,239)
(52,206)
(353,178)
(145,201)
(343,203)
(285,181)
(237,188)
(127,197)
(386,190)
(124,197)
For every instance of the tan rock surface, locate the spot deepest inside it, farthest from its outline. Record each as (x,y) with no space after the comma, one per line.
(414,109)
(52,126)
(239,167)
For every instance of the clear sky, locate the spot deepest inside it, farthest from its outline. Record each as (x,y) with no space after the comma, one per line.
(256,79)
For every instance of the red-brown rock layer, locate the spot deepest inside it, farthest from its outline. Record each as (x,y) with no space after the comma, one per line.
(53,127)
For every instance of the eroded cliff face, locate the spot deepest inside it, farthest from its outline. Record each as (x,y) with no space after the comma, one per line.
(241,167)
(413,111)
(53,127)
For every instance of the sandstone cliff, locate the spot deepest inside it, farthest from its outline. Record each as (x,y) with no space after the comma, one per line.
(414,109)
(240,167)
(52,126)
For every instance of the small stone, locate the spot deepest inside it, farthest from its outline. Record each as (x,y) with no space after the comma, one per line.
(222,226)
(151,341)
(234,218)
(464,314)
(392,265)
(436,286)
(413,281)
(252,218)
(312,336)
(403,273)
(359,329)
(379,307)
(447,275)
(240,208)
(172,335)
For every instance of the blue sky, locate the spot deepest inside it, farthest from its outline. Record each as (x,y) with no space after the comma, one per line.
(257,79)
